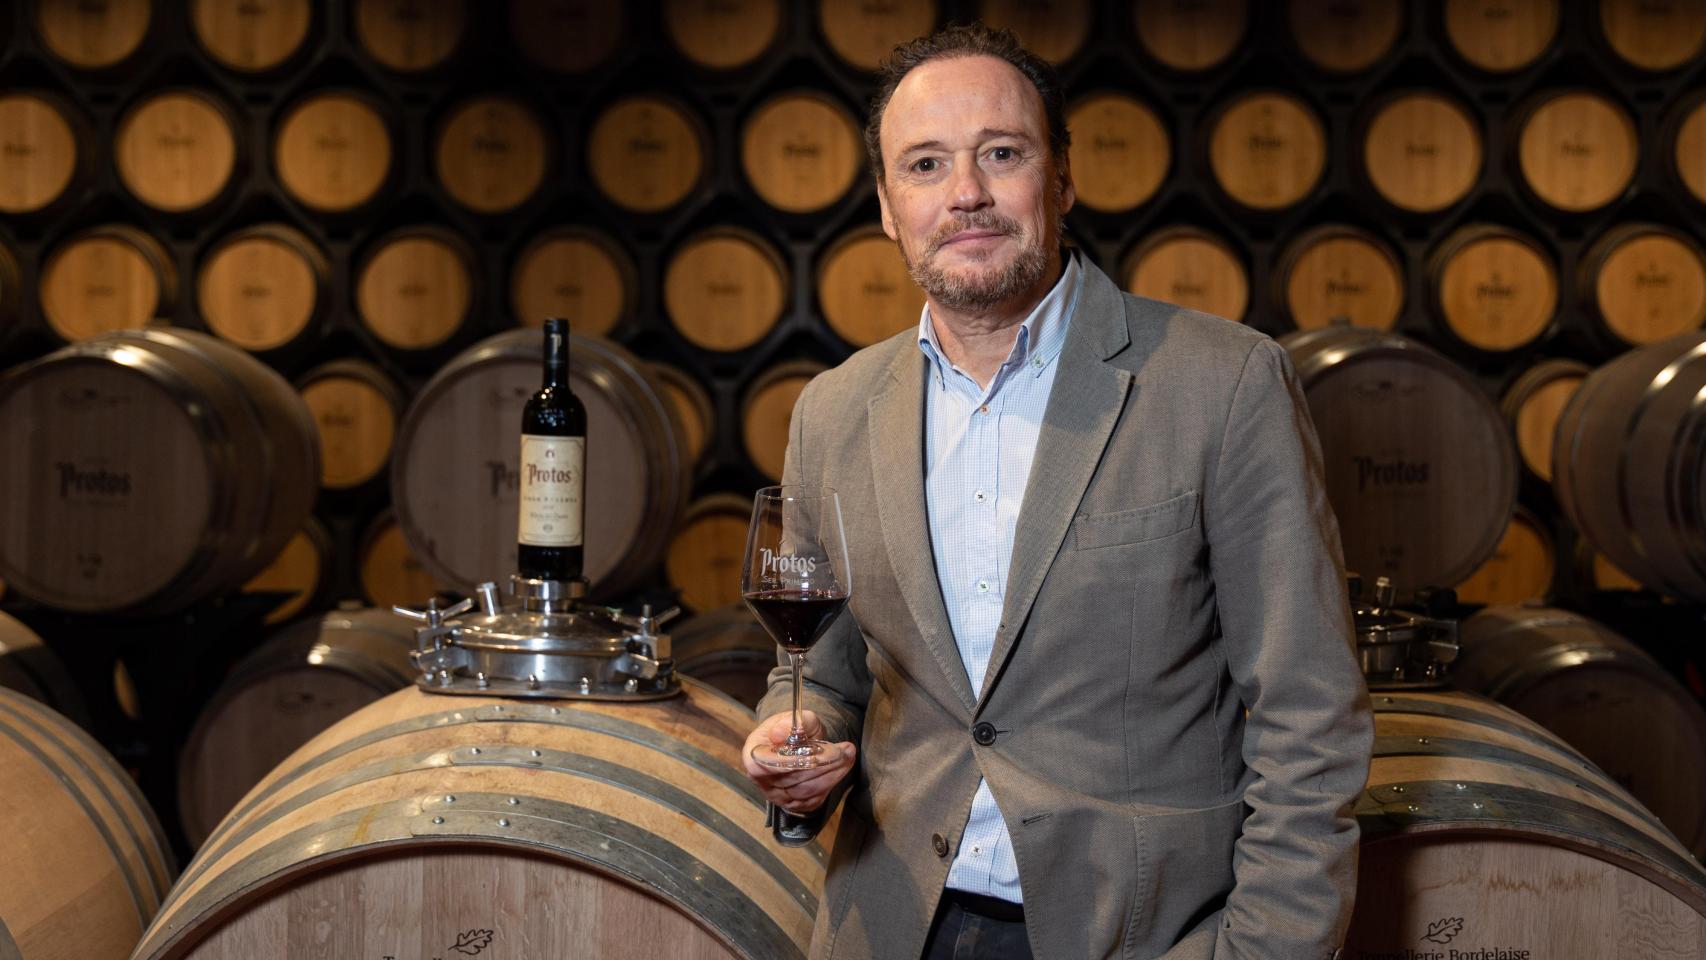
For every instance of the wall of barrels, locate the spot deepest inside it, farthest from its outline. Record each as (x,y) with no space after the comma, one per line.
(366,204)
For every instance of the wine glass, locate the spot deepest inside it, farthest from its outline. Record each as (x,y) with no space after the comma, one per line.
(796,579)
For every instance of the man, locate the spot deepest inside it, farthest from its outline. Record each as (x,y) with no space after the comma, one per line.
(1095,684)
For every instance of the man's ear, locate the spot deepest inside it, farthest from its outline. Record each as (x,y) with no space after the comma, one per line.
(1068,193)
(888,218)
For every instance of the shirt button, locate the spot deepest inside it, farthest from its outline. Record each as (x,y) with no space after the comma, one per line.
(980,496)
(983,733)
(1038,363)
(983,586)
(983,409)
(940,843)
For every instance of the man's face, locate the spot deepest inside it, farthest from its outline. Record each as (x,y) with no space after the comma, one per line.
(970,190)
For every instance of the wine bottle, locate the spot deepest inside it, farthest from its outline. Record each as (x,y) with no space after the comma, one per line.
(553,470)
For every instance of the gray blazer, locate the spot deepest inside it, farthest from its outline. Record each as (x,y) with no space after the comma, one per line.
(1179,725)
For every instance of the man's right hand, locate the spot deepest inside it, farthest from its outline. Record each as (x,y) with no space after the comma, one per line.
(796,791)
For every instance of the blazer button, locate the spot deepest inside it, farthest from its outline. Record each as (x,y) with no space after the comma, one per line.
(983,733)
(940,843)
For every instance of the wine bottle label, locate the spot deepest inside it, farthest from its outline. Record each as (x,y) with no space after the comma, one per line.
(552,471)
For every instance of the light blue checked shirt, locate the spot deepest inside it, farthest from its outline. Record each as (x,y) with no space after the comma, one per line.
(978,449)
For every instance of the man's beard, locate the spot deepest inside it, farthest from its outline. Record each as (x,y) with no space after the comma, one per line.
(978,291)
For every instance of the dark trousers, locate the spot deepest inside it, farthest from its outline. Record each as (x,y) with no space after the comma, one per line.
(971,927)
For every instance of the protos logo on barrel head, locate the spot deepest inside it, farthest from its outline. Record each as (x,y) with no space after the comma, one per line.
(89,398)
(1389,473)
(99,482)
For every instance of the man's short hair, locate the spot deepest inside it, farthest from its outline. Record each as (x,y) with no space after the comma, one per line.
(967,40)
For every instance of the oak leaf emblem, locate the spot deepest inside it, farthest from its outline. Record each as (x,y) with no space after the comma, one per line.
(473,942)
(1444,931)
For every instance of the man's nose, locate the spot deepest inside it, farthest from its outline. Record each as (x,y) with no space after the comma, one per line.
(967,191)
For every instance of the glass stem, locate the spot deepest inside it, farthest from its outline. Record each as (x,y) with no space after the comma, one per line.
(797,736)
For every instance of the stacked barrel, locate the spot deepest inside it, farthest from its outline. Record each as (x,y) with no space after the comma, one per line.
(270,274)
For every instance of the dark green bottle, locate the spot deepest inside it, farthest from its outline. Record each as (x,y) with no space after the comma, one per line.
(553,470)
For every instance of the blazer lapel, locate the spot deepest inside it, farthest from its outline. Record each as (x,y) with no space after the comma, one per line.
(896,421)
(1083,406)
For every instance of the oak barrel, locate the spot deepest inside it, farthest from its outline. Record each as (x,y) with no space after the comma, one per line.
(1192,267)
(1592,572)
(863,34)
(1644,282)
(1496,288)
(251,37)
(110,277)
(332,150)
(302,680)
(93,36)
(389,572)
(1337,272)
(766,409)
(177,150)
(631,820)
(1485,832)
(864,289)
(647,153)
(1421,151)
(86,864)
(725,288)
(1052,29)
(356,407)
(723,34)
(1121,151)
(302,570)
(1687,155)
(454,479)
(149,469)
(1603,695)
(695,413)
(801,150)
(1629,463)
(1190,36)
(410,36)
(1345,36)
(566,36)
(417,286)
(1501,36)
(1521,568)
(491,153)
(1532,404)
(727,648)
(1654,36)
(28,666)
(1267,149)
(576,273)
(1420,468)
(704,559)
(1576,149)
(264,287)
(47,151)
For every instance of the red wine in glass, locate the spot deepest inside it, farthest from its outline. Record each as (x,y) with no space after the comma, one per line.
(797,580)
(796,618)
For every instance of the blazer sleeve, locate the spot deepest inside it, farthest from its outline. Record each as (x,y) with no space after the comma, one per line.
(1285,627)
(837,682)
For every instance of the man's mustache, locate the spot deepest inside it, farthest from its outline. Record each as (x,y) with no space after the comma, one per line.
(983,220)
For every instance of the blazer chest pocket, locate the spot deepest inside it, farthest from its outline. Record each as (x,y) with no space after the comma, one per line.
(1097,530)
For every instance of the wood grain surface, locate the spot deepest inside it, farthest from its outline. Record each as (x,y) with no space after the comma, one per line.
(332,150)
(1501,36)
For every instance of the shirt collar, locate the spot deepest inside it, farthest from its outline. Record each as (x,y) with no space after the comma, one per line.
(1042,333)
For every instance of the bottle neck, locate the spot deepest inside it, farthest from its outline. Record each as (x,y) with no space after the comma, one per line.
(556,359)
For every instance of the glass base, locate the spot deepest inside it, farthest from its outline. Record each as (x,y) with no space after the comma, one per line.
(801,756)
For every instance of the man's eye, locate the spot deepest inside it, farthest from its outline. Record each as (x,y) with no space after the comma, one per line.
(1003,153)
(926,165)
